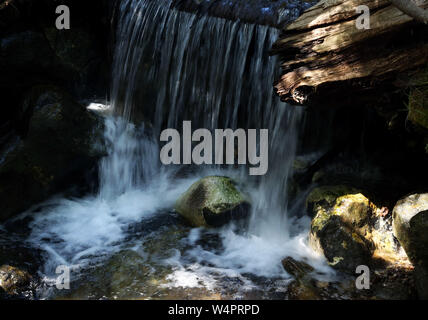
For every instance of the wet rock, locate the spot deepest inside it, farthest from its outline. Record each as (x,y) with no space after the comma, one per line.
(302,288)
(338,230)
(212,201)
(139,272)
(411,229)
(297,269)
(59,143)
(14,281)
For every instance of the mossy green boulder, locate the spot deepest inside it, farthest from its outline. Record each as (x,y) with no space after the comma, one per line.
(339,227)
(212,202)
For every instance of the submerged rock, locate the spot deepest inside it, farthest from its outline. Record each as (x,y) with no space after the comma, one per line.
(339,228)
(58,145)
(411,229)
(212,201)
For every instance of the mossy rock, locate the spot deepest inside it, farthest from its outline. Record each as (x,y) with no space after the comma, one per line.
(339,227)
(212,201)
(327,195)
(410,225)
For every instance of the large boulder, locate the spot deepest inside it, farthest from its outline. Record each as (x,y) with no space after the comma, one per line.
(410,226)
(339,227)
(58,144)
(212,201)
(350,230)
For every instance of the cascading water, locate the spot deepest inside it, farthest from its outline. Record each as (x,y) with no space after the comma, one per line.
(171,66)
(214,72)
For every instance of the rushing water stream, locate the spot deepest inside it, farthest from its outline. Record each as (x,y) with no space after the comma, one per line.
(126,240)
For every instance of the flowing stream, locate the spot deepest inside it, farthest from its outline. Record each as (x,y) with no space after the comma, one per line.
(126,241)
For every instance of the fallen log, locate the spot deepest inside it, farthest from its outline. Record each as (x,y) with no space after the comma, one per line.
(324,55)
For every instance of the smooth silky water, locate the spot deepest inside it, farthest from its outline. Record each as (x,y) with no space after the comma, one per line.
(126,239)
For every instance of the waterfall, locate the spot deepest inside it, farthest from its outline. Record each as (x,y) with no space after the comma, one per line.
(170,66)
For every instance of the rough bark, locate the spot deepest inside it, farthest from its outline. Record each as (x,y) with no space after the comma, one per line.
(325,49)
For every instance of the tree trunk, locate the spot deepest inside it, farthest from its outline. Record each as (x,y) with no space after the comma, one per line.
(326,57)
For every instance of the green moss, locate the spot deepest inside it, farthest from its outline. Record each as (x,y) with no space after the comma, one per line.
(352,208)
(327,195)
(320,220)
(215,194)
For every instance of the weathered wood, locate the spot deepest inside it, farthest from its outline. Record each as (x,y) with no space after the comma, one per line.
(325,46)
(332,11)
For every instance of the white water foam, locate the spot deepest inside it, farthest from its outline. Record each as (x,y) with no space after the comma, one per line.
(133,185)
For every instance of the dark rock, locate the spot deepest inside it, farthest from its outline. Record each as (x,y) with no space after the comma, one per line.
(297,269)
(33,52)
(58,144)
(273,13)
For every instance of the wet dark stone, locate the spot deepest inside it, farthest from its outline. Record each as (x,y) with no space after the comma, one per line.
(269,12)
